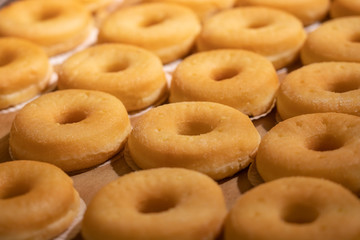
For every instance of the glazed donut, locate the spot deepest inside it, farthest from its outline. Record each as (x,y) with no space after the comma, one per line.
(25,71)
(58,26)
(72,129)
(132,74)
(162,204)
(203,8)
(334,40)
(320,87)
(324,145)
(295,208)
(37,200)
(208,137)
(341,8)
(168,30)
(272,33)
(308,11)
(227,77)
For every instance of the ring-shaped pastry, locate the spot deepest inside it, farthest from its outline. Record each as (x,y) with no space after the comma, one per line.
(25,71)
(58,26)
(320,87)
(334,40)
(342,8)
(37,200)
(323,145)
(272,33)
(308,11)
(161,204)
(168,30)
(295,208)
(212,138)
(227,77)
(72,129)
(132,74)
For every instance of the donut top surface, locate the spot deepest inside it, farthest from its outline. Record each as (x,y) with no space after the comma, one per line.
(22,63)
(45,22)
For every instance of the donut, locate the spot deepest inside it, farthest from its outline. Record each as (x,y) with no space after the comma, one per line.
(342,8)
(211,138)
(308,11)
(323,145)
(72,129)
(132,74)
(168,30)
(334,40)
(58,26)
(226,76)
(295,208)
(37,200)
(273,33)
(203,8)
(94,5)
(320,87)
(163,203)
(25,71)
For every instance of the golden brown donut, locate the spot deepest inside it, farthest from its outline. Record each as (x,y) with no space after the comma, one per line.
(320,87)
(334,40)
(203,8)
(272,33)
(161,204)
(295,208)
(227,77)
(58,26)
(25,71)
(308,11)
(94,5)
(168,30)
(212,138)
(37,200)
(72,129)
(323,145)
(132,74)
(342,8)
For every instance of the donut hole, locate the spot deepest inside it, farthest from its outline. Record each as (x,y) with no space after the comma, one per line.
(151,22)
(342,87)
(117,67)
(258,23)
(6,58)
(193,128)
(324,142)
(157,205)
(71,117)
(300,214)
(15,190)
(48,14)
(224,73)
